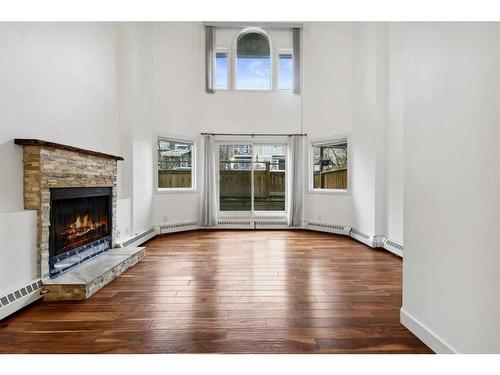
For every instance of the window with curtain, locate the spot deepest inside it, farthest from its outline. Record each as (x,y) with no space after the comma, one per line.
(253,62)
(252,58)
(252,177)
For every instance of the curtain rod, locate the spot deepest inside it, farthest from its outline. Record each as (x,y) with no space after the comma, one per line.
(257,134)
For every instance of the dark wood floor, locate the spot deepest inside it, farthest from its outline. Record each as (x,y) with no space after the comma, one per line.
(232,292)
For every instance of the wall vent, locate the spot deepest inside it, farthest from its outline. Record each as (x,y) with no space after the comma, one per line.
(271,224)
(328,227)
(178,227)
(17,299)
(234,223)
(393,247)
(138,239)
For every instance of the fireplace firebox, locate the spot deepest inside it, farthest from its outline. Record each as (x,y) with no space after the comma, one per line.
(80,226)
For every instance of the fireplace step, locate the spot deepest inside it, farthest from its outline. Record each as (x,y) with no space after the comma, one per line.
(83,281)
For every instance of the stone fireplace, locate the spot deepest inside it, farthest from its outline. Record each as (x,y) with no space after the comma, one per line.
(74,192)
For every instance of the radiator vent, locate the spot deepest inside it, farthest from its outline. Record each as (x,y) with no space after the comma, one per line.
(19,298)
(393,247)
(262,224)
(327,227)
(139,238)
(394,244)
(178,227)
(235,223)
(360,234)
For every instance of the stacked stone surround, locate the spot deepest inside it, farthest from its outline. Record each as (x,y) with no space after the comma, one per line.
(51,167)
(81,290)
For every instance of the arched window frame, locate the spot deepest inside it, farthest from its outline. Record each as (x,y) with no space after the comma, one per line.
(234,58)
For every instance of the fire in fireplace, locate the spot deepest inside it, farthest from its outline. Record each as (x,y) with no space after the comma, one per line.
(80,226)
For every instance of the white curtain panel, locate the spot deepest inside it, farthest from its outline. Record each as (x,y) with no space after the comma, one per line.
(296,172)
(208,214)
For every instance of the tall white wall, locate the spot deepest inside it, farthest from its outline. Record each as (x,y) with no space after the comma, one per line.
(327,106)
(452,184)
(369,115)
(393,162)
(57,83)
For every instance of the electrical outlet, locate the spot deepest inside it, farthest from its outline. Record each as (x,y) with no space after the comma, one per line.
(320,217)
(165,219)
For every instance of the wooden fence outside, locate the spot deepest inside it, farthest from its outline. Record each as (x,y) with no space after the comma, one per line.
(336,179)
(174,179)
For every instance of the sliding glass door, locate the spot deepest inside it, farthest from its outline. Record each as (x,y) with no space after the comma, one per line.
(252,178)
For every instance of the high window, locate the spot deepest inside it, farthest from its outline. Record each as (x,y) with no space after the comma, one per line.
(252,177)
(285,71)
(253,62)
(252,59)
(175,164)
(329,165)
(221,70)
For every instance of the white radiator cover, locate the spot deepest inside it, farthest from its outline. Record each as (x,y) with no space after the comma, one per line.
(177,227)
(327,227)
(19,298)
(139,238)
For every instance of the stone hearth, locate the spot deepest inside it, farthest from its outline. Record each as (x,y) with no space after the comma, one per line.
(50,165)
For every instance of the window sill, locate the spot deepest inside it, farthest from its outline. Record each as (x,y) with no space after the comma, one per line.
(329,191)
(175,191)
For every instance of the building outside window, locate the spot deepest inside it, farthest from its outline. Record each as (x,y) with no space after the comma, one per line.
(175,164)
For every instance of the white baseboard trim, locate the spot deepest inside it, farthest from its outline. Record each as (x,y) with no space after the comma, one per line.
(139,238)
(429,338)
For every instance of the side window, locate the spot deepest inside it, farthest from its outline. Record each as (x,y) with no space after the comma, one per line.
(175,164)
(285,71)
(221,70)
(329,165)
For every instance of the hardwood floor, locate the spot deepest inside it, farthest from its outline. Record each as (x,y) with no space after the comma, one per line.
(232,292)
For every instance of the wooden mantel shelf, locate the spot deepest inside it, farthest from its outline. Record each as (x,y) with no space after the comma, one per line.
(38,142)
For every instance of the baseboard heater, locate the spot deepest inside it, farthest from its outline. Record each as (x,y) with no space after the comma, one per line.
(372,241)
(229,223)
(327,227)
(19,298)
(177,227)
(138,239)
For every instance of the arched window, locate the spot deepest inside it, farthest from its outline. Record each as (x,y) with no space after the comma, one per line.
(253,61)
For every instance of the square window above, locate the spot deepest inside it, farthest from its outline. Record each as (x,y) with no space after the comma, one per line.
(175,164)
(329,165)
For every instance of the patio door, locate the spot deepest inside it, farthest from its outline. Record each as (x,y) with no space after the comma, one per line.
(252,178)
